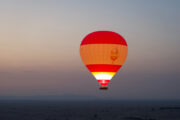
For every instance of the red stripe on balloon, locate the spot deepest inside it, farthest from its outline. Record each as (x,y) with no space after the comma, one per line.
(103,68)
(104,37)
(103,82)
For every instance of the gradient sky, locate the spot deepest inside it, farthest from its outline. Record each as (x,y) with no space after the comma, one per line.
(40,40)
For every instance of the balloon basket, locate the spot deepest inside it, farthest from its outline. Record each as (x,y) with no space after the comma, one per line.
(103,88)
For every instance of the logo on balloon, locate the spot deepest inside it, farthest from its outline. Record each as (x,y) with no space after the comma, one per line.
(114,55)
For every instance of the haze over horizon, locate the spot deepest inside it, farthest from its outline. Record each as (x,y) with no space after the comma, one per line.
(40,40)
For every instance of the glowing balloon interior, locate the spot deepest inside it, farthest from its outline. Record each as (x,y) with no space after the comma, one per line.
(103,53)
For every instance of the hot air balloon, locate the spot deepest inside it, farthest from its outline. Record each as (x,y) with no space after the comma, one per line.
(103,53)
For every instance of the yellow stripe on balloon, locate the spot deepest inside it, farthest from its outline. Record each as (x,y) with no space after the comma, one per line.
(103,75)
(103,54)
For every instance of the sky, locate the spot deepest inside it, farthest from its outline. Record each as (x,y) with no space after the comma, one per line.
(40,41)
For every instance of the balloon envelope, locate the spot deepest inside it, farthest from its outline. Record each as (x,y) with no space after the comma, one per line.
(103,53)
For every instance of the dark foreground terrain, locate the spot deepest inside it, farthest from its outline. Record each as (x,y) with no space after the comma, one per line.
(89,110)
